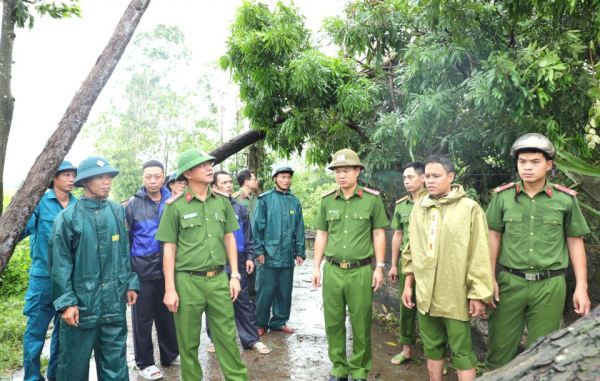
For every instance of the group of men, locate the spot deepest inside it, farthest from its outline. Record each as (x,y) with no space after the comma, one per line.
(184,247)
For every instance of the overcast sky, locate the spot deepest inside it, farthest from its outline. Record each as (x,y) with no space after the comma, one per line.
(54,58)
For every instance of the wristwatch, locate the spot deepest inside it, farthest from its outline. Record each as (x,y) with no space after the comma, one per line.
(379,264)
(236,275)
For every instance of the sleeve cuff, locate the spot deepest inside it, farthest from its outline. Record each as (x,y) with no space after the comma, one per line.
(66,300)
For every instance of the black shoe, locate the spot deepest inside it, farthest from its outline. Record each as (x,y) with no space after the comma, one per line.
(359,379)
(336,378)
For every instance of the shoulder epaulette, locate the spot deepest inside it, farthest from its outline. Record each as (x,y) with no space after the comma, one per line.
(236,195)
(402,199)
(568,191)
(220,193)
(503,187)
(328,193)
(372,191)
(172,199)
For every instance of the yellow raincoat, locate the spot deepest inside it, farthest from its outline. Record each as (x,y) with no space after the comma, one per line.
(449,254)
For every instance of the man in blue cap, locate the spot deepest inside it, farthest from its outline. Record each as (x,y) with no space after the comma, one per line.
(88,258)
(38,300)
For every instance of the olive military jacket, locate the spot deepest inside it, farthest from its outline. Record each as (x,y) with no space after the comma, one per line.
(197,228)
(449,255)
(350,223)
(88,257)
(535,229)
(278,229)
(249,201)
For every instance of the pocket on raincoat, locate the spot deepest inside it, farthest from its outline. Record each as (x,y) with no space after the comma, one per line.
(84,291)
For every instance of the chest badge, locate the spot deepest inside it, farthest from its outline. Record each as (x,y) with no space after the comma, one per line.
(115,238)
(291,212)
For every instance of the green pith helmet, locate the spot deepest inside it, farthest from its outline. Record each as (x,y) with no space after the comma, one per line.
(66,165)
(189,160)
(282,170)
(94,166)
(345,158)
(171,179)
(533,141)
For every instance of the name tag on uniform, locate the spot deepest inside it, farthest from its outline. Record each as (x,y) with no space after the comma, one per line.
(191,215)
(334,212)
(115,238)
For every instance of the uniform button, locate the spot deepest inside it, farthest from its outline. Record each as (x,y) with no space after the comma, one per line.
(96,212)
(360,218)
(531,233)
(344,247)
(530,249)
(191,225)
(554,223)
(103,284)
(532,217)
(101,246)
(207,219)
(347,202)
(346,216)
(211,251)
(209,235)
(532,200)
(531,267)
(345,231)
(510,220)
(107,319)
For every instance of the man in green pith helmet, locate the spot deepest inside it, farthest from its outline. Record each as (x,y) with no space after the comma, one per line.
(350,224)
(535,226)
(197,228)
(413,178)
(92,281)
(278,229)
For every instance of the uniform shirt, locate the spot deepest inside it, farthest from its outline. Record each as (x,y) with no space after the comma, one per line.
(401,215)
(278,229)
(197,228)
(249,201)
(534,229)
(350,223)
(39,228)
(449,254)
(88,257)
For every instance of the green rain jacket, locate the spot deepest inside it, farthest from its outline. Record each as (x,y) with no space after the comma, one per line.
(449,254)
(278,228)
(88,257)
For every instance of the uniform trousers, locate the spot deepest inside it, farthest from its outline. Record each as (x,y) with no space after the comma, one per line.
(245,319)
(274,297)
(537,304)
(108,342)
(438,333)
(199,294)
(148,310)
(40,312)
(348,288)
(407,316)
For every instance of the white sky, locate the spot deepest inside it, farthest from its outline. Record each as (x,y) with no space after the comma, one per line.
(55,57)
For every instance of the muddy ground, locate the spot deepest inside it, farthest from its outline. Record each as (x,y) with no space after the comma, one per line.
(299,356)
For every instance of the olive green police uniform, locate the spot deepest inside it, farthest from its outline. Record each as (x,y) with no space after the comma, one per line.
(407,315)
(198,227)
(249,201)
(534,231)
(349,223)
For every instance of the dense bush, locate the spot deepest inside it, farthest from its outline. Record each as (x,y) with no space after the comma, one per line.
(15,278)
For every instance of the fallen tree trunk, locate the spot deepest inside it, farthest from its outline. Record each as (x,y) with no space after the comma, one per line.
(570,354)
(236,144)
(22,205)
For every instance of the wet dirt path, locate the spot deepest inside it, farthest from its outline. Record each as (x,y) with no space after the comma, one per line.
(299,356)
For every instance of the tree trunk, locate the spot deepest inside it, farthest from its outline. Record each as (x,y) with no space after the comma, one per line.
(7,102)
(570,354)
(13,221)
(236,144)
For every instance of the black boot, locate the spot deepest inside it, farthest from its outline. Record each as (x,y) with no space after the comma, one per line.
(336,378)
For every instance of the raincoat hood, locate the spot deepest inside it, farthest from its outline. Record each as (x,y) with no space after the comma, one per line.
(456,193)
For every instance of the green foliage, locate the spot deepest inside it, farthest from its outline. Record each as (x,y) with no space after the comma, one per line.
(24,10)
(12,329)
(15,277)
(308,186)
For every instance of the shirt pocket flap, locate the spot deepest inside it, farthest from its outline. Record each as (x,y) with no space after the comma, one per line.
(361,216)
(513,217)
(553,220)
(187,223)
(333,217)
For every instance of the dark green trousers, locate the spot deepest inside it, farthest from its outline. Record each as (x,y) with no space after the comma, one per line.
(199,294)
(539,305)
(351,288)
(274,297)
(407,316)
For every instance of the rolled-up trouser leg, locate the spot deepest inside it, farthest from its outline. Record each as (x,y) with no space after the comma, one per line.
(282,305)
(110,352)
(75,352)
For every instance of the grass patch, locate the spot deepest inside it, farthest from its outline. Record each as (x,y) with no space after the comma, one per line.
(12,328)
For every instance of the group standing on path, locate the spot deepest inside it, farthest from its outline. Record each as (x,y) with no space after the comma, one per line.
(185,248)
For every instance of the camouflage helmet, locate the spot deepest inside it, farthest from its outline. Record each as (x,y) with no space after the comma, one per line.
(93,166)
(66,165)
(533,141)
(189,159)
(345,158)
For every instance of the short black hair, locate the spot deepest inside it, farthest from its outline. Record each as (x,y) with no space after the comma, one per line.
(443,160)
(216,176)
(417,165)
(532,150)
(153,163)
(244,175)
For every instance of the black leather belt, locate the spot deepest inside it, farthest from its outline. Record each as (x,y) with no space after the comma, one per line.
(208,274)
(536,276)
(349,265)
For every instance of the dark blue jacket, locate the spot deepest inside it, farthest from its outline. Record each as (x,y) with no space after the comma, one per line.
(142,215)
(243,236)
